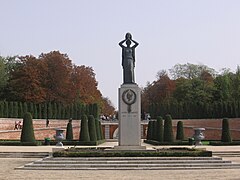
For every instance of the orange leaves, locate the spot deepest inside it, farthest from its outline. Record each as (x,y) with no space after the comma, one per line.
(53,77)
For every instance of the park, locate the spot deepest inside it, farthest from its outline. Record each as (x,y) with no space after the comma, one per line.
(75,137)
(119,90)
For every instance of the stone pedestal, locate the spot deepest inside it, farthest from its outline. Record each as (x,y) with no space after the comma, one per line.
(129,117)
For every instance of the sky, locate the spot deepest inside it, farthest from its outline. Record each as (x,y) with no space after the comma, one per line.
(168,31)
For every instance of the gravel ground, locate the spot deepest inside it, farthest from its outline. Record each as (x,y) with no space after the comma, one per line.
(7,172)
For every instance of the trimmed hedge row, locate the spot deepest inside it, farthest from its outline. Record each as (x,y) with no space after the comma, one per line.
(51,110)
(157,143)
(74,152)
(219,143)
(194,110)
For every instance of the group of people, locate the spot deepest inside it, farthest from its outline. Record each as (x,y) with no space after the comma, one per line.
(18,125)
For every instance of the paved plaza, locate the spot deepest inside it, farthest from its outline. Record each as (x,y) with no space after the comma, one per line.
(7,166)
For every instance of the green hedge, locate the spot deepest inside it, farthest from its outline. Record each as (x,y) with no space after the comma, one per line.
(219,143)
(180,143)
(52,110)
(19,143)
(78,143)
(76,152)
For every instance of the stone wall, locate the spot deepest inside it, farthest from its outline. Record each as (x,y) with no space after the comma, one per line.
(212,126)
(40,130)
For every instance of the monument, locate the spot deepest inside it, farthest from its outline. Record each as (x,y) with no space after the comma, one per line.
(129,100)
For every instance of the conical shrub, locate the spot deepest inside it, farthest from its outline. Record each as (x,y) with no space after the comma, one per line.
(101,130)
(159,132)
(27,134)
(150,130)
(155,130)
(180,131)
(92,128)
(69,132)
(168,132)
(226,135)
(97,129)
(84,133)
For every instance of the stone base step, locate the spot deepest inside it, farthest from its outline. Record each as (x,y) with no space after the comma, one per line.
(24,154)
(227,153)
(129,163)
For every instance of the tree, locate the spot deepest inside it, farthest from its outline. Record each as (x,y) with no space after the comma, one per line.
(7,65)
(85,85)
(25,81)
(3,75)
(84,132)
(189,71)
(168,131)
(158,91)
(226,135)
(180,131)
(107,107)
(27,134)
(55,76)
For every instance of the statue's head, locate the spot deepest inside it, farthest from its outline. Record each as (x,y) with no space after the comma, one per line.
(128,42)
(128,36)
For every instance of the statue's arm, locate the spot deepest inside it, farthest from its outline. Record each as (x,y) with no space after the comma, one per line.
(135,43)
(121,43)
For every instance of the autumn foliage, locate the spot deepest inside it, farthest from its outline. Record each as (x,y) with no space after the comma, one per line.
(52,77)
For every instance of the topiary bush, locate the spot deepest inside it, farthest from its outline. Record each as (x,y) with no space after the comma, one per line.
(168,132)
(101,130)
(95,110)
(180,131)
(150,130)
(92,128)
(159,133)
(226,135)
(27,134)
(97,129)
(155,129)
(69,132)
(84,132)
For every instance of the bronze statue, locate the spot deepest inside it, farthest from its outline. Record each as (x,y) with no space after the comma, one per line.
(128,59)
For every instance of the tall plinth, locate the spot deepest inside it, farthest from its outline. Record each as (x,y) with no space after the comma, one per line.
(129,117)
